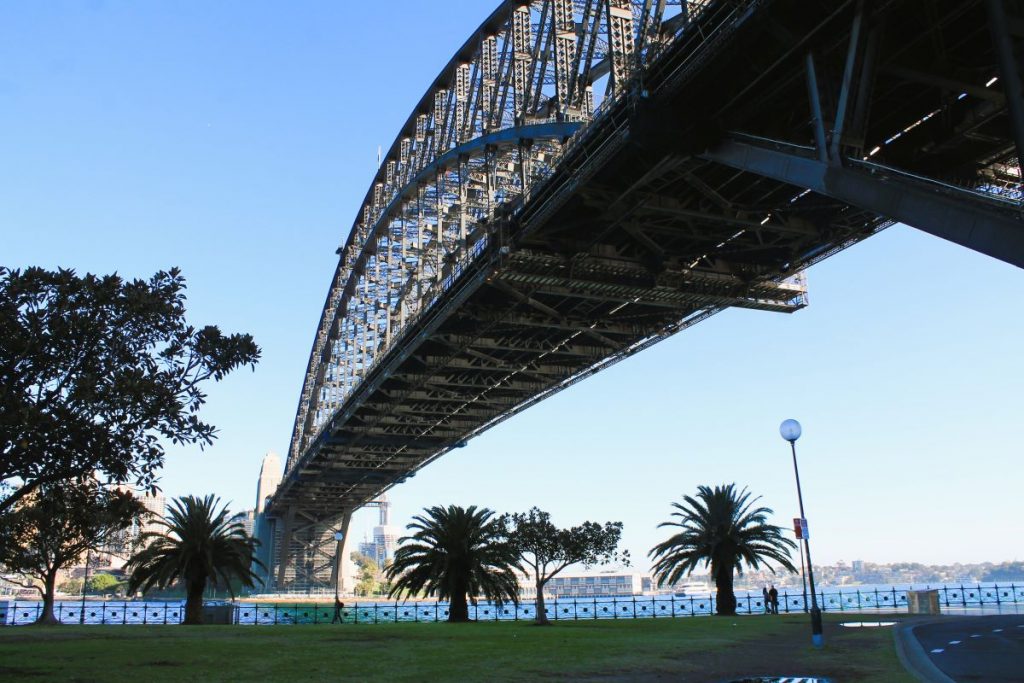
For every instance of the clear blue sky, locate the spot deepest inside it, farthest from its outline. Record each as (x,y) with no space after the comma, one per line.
(236,140)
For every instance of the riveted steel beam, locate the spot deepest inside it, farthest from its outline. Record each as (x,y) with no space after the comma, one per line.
(957,215)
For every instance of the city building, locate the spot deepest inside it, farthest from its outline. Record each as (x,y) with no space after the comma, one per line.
(156,507)
(247,518)
(122,545)
(385,537)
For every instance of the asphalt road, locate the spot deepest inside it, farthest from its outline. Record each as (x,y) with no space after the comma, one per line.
(971,649)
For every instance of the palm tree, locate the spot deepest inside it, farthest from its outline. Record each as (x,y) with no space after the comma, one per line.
(723,529)
(453,553)
(198,545)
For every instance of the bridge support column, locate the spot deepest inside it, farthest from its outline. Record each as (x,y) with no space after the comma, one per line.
(338,571)
(307,555)
(283,551)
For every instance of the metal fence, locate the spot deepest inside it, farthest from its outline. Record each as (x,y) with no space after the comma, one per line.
(566,609)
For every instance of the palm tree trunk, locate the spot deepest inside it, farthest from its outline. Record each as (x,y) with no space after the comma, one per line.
(725,599)
(47,617)
(194,600)
(458,609)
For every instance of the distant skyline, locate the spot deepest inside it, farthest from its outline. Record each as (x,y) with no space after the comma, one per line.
(236,140)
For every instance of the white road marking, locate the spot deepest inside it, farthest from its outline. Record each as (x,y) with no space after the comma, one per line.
(975,635)
(954,642)
(937,650)
(997,630)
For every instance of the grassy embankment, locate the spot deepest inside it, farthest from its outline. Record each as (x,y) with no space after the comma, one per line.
(699,649)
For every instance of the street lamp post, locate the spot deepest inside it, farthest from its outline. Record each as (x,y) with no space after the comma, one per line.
(790,431)
(803,574)
(338,537)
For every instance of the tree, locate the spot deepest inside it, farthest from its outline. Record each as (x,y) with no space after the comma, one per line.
(547,550)
(456,552)
(200,545)
(97,374)
(723,529)
(369,574)
(104,583)
(59,525)
(1007,571)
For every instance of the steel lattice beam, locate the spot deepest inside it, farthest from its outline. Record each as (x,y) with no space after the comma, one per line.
(564,196)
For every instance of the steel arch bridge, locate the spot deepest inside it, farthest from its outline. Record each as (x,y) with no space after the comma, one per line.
(587,177)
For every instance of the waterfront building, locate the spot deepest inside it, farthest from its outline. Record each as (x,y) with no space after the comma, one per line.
(583,585)
(609,584)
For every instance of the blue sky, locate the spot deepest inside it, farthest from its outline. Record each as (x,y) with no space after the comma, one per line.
(236,139)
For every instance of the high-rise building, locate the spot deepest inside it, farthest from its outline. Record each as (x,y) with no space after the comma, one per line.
(119,546)
(156,506)
(247,519)
(385,537)
(270,478)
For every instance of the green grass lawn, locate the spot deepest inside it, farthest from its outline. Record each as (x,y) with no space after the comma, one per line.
(695,649)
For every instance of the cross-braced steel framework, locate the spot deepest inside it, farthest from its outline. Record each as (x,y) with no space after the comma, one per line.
(588,177)
(492,125)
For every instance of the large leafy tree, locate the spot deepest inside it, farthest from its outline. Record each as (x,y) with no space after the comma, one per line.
(547,550)
(723,529)
(369,576)
(456,553)
(98,373)
(199,544)
(58,525)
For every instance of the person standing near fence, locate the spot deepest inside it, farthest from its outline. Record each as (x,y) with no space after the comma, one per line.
(767,600)
(338,606)
(773,599)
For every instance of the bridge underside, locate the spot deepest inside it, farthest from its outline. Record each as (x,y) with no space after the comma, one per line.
(795,131)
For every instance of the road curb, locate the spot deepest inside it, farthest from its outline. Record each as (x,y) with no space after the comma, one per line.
(913,657)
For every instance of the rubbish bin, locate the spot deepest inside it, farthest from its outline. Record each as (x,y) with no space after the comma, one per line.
(219,614)
(923,602)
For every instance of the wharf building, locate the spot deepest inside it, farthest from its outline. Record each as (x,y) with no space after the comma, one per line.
(608,585)
(613,584)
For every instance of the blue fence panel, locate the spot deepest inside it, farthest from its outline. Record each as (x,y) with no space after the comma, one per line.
(625,607)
